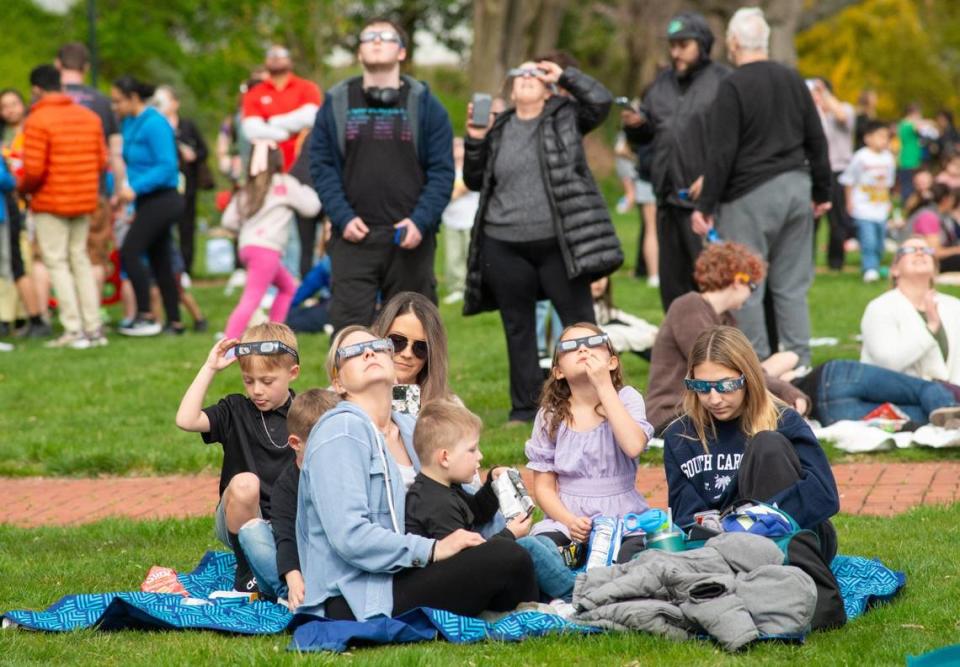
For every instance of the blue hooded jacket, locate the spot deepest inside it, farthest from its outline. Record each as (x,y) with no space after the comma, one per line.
(350,514)
(432,137)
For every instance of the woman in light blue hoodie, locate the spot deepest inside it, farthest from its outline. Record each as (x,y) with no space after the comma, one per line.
(356,559)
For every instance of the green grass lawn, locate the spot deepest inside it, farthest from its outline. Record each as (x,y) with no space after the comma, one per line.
(110,410)
(41,565)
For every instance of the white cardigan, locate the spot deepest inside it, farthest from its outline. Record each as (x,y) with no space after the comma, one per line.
(895,336)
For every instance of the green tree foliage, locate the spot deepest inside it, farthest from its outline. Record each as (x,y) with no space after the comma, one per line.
(906,50)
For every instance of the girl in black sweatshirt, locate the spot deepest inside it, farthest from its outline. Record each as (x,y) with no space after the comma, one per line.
(735,441)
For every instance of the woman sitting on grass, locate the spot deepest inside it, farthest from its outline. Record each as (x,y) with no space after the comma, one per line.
(413,325)
(912,328)
(357,561)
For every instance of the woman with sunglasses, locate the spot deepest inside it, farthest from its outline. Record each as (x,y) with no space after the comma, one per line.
(912,328)
(413,324)
(589,432)
(735,440)
(726,273)
(542,226)
(357,561)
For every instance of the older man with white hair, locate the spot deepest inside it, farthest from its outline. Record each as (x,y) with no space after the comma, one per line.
(768,161)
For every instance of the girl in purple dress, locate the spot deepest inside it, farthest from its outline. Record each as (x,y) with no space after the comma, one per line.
(586,438)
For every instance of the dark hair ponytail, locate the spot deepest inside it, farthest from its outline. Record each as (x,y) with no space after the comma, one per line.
(130,86)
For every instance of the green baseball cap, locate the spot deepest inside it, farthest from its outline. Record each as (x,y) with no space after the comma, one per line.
(678,28)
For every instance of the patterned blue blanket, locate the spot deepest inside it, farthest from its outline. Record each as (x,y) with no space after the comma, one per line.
(863,582)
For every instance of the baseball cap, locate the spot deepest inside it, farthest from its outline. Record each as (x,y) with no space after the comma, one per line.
(681,27)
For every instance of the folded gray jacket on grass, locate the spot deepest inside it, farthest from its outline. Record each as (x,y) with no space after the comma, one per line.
(735,588)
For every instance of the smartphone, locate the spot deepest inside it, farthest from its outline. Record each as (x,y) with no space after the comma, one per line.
(399,235)
(624,102)
(482,103)
(406,399)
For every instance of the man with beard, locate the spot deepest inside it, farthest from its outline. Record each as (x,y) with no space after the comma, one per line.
(381,157)
(673,117)
(281,106)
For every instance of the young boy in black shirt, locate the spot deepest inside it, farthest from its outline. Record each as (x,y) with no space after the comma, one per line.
(446,441)
(271,546)
(252,428)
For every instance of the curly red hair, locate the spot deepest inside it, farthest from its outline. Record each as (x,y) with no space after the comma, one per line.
(719,263)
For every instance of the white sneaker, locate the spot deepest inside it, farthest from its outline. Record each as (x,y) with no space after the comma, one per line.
(6,347)
(237,280)
(453,297)
(653,281)
(871,276)
(97,338)
(72,339)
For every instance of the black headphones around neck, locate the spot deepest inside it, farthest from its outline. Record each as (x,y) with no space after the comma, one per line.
(381,97)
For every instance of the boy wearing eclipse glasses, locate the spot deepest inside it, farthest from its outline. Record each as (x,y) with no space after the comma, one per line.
(251,427)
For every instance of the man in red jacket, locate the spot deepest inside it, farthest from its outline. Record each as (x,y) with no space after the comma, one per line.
(64,153)
(282,106)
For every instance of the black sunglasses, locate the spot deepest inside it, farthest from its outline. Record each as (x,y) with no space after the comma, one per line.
(400,343)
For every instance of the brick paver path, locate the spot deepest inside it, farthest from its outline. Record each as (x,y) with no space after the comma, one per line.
(880,489)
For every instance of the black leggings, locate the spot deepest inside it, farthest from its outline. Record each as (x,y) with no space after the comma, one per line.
(769,465)
(150,233)
(14,222)
(496,576)
(518,274)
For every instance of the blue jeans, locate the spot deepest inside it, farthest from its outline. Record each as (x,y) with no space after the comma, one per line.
(849,390)
(544,310)
(256,540)
(870,236)
(554,578)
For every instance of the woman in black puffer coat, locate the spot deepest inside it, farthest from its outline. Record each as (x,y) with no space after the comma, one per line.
(542,228)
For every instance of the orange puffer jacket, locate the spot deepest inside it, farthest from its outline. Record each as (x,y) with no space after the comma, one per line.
(64,153)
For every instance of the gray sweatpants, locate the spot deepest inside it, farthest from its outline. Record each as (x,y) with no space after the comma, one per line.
(776,220)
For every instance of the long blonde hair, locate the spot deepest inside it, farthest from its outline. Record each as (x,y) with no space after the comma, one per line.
(727,346)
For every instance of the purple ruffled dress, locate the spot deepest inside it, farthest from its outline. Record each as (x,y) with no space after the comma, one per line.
(594,476)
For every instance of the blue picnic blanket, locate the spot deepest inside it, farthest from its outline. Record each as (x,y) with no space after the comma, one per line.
(863,582)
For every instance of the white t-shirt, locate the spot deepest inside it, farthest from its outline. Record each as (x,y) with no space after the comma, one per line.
(460,212)
(872,176)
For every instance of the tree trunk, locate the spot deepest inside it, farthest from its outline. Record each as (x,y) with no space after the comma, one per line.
(551,15)
(486,64)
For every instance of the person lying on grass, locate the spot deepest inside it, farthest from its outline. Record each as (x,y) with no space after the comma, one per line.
(271,546)
(252,428)
(358,562)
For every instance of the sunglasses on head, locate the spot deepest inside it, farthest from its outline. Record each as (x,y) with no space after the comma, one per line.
(725,386)
(525,71)
(265,347)
(912,249)
(400,343)
(351,351)
(596,340)
(745,279)
(368,36)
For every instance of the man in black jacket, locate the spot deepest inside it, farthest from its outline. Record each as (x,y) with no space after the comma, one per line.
(767,161)
(674,118)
